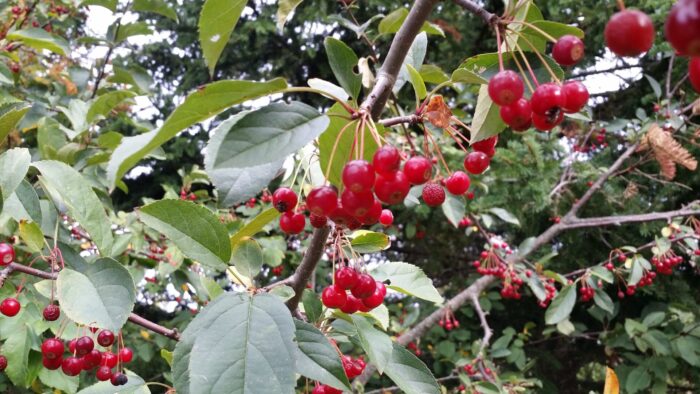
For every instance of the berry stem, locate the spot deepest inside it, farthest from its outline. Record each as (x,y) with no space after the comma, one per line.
(450,130)
(238,278)
(527,64)
(522,71)
(535,28)
(621,5)
(436,148)
(500,51)
(539,55)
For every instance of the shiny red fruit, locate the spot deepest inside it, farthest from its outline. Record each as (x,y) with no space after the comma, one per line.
(568,50)
(7,254)
(683,27)
(103,373)
(575,96)
(318,221)
(506,87)
(476,162)
(364,287)
(91,360)
(10,307)
(284,199)
(119,379)
(52,348)
(342,218)
(376,298)
(372,216)
(487,146)
(51,312)
(52,363)
(458,183)
(125,355)
(392,188)
(433,194)
(358,176)
(357,204)
(84,345)
(322,200)
(109,359)
(72,366)
(418,170)
(517,115)
(386,160)
(105,338)
(386,218)
(334,296)
(352,305)
(629,33)
(292,223)
(546,123)
(694,70)
(547,97)
(346,277)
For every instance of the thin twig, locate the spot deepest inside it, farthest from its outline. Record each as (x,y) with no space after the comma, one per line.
(304,271)
(112,45)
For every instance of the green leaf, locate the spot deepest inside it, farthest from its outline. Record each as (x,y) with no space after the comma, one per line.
(554,29)
(433,74)
(167,356)
(417,82)
(105,103)
(108,4)
(192,228)
(16,346)
(131,30)
(462,75)
(505,216)
(100,294)
(407,279)
(392,23)
(135,385)
(603,273)
(637,271)
(365,241)
(14,164)
(537,287)
(212,287)
(654,319)
(409,373)
(199,106)
(70,188)
(603,300)
(248,149)
(658,341)
(284,9)
(561,306)
(343,60)
(328,87)
(247,256)
(216,22)
(57,379)
(689,349)
(237,344)
(156,6)
(10,115)
(414,57)
(454,209)
(637,380)
(487,119)
(312,306)
(317,359)
(31,235)
(327,143)
(376,344)
(284,292)
(135,76)
(23,204)
(654,85)
(40,39)
(255,226)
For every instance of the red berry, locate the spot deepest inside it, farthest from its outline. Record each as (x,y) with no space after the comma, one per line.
(546,123)
(357,204)
(342,218)
(103,373)
(346,278)
(476,162)
(125,355)
(91,360)
(334,296)
(458,183)
(372,216)
(568,50)
(7,254)
(318,221)
(105,338)
(629,33)
(487,146)
(364,287)
(517,115)
(51,312)
(547,97)
(392,188)
(433,194)
(52,363)
(506,87)
(10,307)
(119,379)
(52,348)
(358,176)
(322,200)
(386,218)
(16,10)
(575,96)
(683,27)
(72,366)
(352,305)
(292,223)
(386,160)
(418,170)
(376,298)
(84,345)
(109,359)
(284,199)
(694,70)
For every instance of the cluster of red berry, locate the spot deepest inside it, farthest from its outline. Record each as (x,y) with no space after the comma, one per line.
(187,195)
(365,293)
(9,306)
(595,143)
(449,322)
(353,368)
(664,264)
(465,222)
(412,346)
(587,292)
(472,369)
(84,357)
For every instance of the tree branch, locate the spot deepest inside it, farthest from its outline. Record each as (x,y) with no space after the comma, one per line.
(477,10)
(484,325)
(308,264)
(410,119)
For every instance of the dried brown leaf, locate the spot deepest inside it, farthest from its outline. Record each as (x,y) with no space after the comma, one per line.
(631,190)
(664,145)
(438,113)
